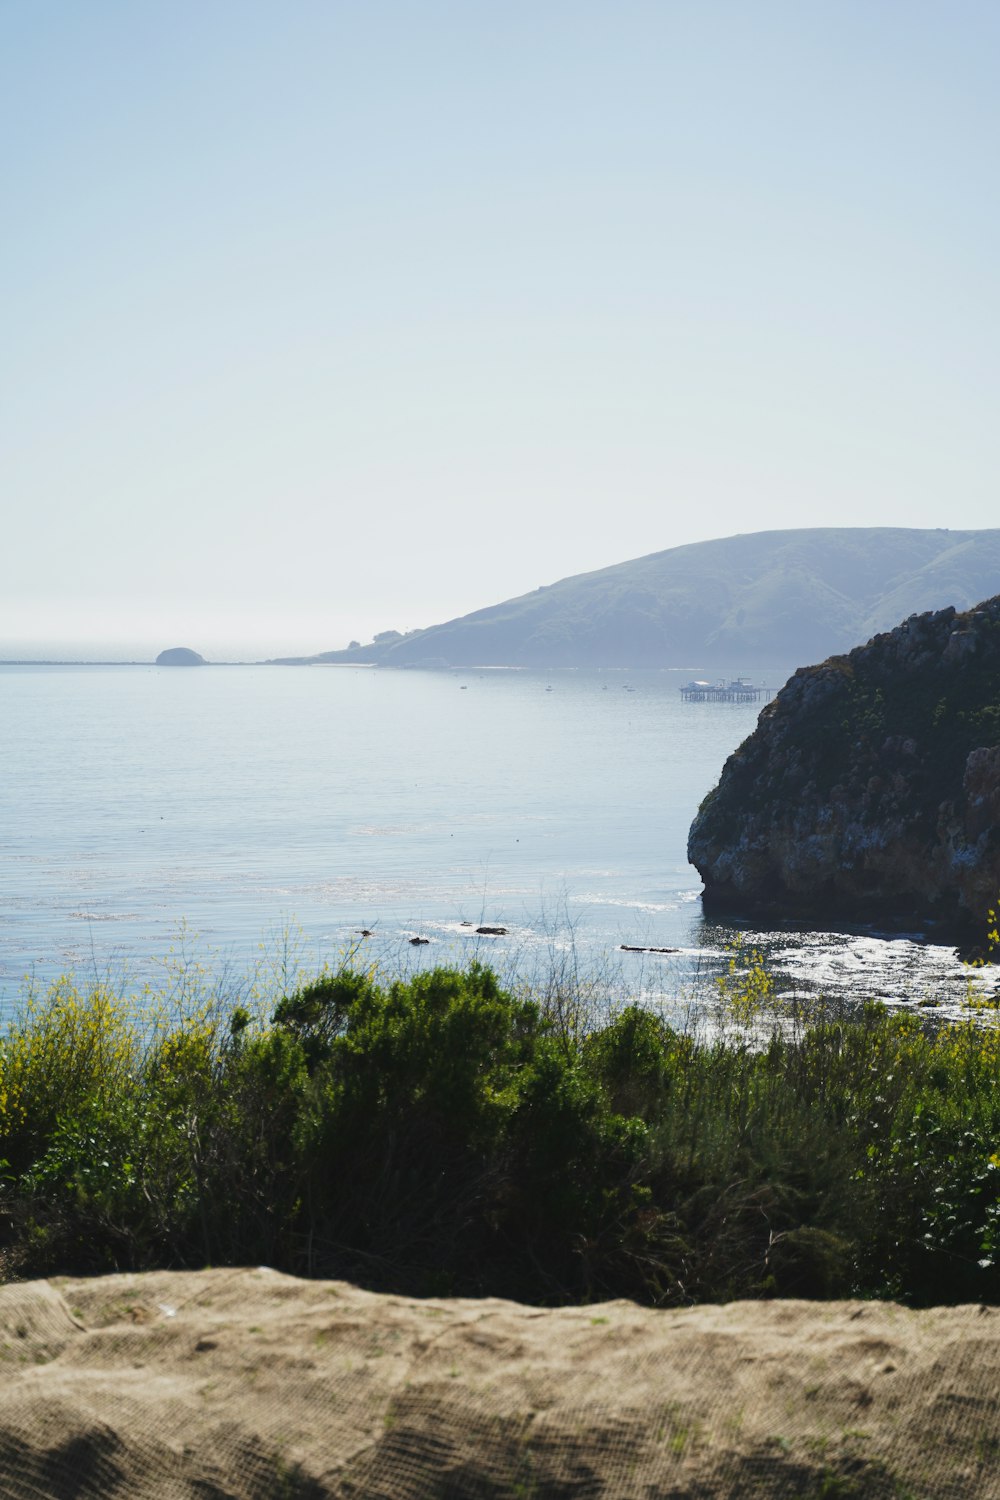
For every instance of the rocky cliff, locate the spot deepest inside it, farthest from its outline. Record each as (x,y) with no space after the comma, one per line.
(870,789)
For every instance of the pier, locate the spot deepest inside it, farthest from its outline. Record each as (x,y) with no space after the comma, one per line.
(731,690)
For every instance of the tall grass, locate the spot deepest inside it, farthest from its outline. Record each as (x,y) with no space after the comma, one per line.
(440,1133)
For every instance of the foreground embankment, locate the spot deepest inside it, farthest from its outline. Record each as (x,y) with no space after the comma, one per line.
(253,1384)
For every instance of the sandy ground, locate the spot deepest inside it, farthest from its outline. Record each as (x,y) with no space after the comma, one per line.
(246,1383)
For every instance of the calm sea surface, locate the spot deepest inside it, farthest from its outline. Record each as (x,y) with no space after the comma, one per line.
(222,809)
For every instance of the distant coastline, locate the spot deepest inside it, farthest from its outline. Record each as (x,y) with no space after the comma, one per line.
(68,662)
(37,661)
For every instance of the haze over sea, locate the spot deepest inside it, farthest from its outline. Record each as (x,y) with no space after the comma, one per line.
(225,808)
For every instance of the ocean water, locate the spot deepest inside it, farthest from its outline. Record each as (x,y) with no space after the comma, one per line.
(251,815)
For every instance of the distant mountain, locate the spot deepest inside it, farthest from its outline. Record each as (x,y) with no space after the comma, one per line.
(766,598)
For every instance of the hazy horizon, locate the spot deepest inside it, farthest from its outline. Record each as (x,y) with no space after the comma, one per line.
(328,319)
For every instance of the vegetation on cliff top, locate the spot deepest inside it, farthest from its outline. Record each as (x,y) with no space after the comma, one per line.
(442,1135)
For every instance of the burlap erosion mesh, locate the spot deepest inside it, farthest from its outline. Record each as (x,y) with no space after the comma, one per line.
(252,1384)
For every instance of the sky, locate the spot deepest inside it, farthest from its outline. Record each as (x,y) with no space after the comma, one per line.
(324,318)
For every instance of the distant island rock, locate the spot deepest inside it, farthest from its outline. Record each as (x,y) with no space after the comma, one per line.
(180,656)
(768,598)
(870,789)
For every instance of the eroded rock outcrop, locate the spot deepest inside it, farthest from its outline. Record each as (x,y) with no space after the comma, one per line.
(870,789)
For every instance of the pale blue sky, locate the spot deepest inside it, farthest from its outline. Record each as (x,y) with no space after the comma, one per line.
(322,318)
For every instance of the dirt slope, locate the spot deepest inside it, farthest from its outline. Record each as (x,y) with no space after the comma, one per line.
(252,1384)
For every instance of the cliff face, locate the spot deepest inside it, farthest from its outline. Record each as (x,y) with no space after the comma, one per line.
(870,789)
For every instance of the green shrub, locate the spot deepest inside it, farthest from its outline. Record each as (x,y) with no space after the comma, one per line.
(438,1134)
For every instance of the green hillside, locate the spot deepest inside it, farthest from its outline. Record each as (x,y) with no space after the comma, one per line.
(765,598)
